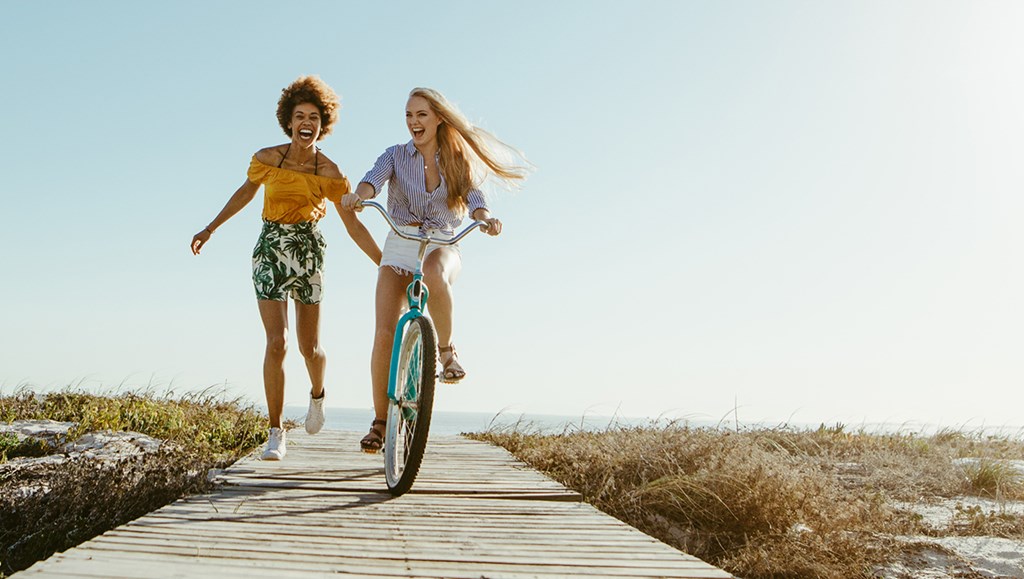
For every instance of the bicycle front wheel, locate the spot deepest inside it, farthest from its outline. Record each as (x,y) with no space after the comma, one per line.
(409,413)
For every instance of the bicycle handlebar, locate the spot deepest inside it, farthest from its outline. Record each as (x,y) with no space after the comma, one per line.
(421,238)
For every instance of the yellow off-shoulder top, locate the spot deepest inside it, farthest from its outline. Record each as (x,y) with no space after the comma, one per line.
(293,197)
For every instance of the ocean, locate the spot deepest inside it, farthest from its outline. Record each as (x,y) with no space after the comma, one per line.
(444,422)
(358,419)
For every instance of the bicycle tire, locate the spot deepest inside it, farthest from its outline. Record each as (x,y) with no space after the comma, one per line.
(409,414)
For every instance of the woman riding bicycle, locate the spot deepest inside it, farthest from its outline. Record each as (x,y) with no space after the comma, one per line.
(433,183)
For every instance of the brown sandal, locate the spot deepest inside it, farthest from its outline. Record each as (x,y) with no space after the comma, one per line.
(374,440)
(451,371)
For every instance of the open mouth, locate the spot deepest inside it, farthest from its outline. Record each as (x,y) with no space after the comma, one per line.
(306,133)
(417,132)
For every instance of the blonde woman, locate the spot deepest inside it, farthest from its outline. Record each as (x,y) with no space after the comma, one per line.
(433,183)
(298,181)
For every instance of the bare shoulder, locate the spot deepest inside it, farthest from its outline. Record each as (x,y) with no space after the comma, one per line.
(330,169)
(270,155)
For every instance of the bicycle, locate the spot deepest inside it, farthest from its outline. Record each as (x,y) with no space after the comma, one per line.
(413,370)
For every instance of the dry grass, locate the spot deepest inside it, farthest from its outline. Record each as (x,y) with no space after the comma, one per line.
(973,521)
(47,508)
(774,503)
(991,478)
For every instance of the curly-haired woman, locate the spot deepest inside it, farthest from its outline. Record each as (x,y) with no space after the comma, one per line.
(433,182)
(298,180)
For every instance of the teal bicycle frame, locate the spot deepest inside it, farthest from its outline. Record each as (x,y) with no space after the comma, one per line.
(416,293)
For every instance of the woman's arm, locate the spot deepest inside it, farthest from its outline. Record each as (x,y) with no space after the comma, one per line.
(358,232)
(236,203)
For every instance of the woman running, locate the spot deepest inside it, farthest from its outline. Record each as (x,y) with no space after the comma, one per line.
(288,260)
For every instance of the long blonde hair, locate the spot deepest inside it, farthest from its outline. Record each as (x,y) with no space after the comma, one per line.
(469,155)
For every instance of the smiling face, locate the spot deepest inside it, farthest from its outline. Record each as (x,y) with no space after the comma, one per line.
(305,123)
(421,120)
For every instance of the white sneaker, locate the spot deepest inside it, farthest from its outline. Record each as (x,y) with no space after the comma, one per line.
(315,414)
(276,445)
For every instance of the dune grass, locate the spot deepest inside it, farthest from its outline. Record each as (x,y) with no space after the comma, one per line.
(779,502)
(51,507)
(204,422)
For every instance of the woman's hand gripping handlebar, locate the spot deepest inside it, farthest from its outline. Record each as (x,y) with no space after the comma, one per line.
(419,237)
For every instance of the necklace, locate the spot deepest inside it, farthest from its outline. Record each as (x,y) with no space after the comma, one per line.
(296,161)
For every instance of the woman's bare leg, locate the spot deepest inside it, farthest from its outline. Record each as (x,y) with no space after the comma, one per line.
(307,329)
(440,269)
(389,304)
(275,324)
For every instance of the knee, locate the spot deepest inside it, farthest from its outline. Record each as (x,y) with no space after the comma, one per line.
(437,278)
(277,346)
(311,350)
(384,335)
(433,269)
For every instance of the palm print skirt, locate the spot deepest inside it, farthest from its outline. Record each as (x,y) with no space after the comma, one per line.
(288,261)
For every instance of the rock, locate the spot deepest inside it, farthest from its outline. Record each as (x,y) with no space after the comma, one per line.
(51,432)
(109,443)
(105,445)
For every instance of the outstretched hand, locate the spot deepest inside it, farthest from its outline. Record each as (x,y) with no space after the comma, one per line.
(199,240)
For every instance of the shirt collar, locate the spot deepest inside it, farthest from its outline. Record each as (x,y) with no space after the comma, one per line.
(411,150)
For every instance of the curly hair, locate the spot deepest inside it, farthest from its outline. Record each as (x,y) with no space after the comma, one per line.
(312,90)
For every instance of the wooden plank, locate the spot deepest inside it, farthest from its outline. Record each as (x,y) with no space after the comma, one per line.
(332,562)
(475,512)
(355,532)
(422,560)
(355,539)
(128,566)
(427,550)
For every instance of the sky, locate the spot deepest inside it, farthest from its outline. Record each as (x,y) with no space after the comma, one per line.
(785,212)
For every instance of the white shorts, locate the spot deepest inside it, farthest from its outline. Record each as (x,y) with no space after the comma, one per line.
(402,254)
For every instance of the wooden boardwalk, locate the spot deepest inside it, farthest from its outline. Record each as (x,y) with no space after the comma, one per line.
(474,512)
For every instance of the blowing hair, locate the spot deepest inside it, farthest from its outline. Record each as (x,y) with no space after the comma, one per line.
(470,155)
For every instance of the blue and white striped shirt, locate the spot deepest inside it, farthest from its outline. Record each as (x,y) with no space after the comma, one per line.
(401,167)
